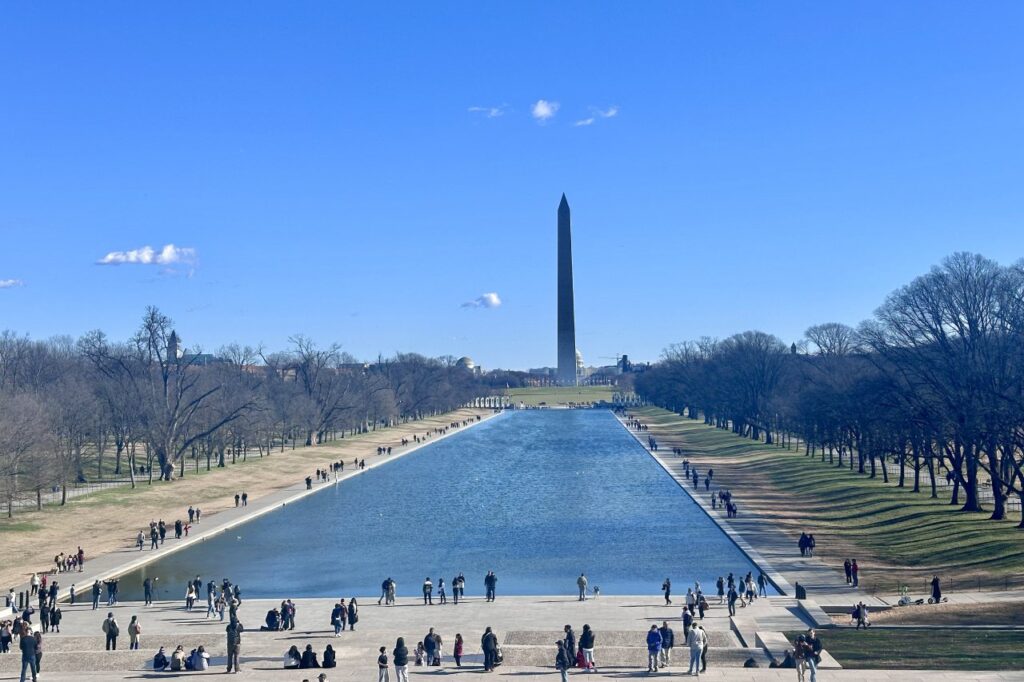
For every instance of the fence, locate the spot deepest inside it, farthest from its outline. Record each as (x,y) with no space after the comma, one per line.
(54,495)
(923,587)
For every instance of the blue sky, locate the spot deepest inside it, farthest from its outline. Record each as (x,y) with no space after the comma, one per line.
(768,166)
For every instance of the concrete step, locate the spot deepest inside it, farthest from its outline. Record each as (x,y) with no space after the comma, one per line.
(631,657)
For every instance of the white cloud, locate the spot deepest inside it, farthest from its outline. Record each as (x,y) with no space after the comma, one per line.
(488,300)
(544,110)
(595,113)
(147,255)
(10,283)
(489,112)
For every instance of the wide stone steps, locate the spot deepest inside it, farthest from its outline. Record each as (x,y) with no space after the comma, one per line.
(631,657)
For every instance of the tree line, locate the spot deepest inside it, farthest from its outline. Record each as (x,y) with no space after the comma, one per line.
(92,408)
(933,383)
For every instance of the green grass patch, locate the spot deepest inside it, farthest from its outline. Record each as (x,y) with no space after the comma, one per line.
(13,526)
(924,648)
(560,395)
(887,524)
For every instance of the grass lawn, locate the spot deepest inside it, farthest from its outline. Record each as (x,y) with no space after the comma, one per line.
(894,533)
(561,395)
(924,649)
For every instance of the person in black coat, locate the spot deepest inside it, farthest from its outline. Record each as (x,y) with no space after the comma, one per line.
(562,661)
(570,644)
(330,658)
(308,659)
(489,643)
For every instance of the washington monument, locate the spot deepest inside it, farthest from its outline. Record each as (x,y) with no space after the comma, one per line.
(566,314)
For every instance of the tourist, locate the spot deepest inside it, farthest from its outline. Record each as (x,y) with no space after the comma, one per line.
(29,646)
(308,659)
(587,647)
(691,601)
(160,661)
(178,659)
(382,665)
(440,591)
(720,585)
(335,619)
(34,583)
(353,613)
(802,544)
(581,583)
(457,650)
(245,498)
(666,587)
(199,514)
(490,583)
(111,630)
(800,651)
(860,612)
(429,647)
(234,632)
(428,592)
(687,624)
(200,659)
(733,596)
(811,544)
(848,570)
(653,649)
(696,641)
(384,590)
(855,572)
(392,587)
(292,657)
(140,540)
(330,658)
(400,659)
(936,590)
(562,661)
(814,657)
(191,516)
(190,596)
(668,639)
(489,644)
(134,630)
(762,584)
(96,589)
(570,643)
(6,636)
(704,650)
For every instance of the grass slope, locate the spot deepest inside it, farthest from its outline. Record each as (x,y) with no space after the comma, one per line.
(883,526)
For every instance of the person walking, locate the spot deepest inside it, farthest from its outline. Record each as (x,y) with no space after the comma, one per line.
(653,649)
(581,583)
(400,659)
(489,644)
(134,630)
(733,596)
(696,641)
(234,632)
(570,644)
(111,630)
(336,619)
(814,653)
(382,664)
(562,661)
(668,638)
(587,647)
(666,587)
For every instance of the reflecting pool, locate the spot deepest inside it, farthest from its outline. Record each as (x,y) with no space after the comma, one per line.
(536,496)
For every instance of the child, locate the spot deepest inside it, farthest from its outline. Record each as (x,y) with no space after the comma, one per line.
(420,653)
(382,665)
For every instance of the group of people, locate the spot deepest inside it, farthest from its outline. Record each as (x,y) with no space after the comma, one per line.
(241,499)
(30,642)
(458,589)
(661,642)
(307,658)
(806,655)
(807,543)
(157,532)
(569,656)
(852,571)
(66,563)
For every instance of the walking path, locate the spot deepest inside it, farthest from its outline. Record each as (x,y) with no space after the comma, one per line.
(126,559)
(776,554)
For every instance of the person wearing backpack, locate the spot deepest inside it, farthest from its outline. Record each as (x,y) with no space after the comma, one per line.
(111,630)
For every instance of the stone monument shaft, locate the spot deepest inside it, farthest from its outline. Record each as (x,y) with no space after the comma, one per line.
(566,312)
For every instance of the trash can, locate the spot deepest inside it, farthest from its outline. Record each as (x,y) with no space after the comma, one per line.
(801,592)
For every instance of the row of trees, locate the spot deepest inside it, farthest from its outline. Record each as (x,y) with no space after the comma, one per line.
(933,382)
(72,411)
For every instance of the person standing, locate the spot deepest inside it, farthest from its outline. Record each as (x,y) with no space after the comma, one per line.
(762,584)
(428,592)
(55,617)
(581,583)
(382,665)
(813,653)
(696,640)
(234,636)
(29,648)
(666,587)
(440,591)
(733,596)
(400,659)
(384,591)
(587,647)
(489,644)
(147,591)
(562,661)
(668,639)
(96,595)
(336,619)
(570,644)
(457,648)
(353,613)
(134,630)
(936,590)
(855,573)
(848,570)
(111,630)
(653,649)
(490,583)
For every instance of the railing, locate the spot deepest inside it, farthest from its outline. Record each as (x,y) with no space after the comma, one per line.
(922,588)
(54,494)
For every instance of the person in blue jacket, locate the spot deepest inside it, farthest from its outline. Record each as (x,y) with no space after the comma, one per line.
(653,649)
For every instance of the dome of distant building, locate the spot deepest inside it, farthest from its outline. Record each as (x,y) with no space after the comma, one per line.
(466,362)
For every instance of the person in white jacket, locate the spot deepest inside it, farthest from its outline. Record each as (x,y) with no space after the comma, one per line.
(696,640)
